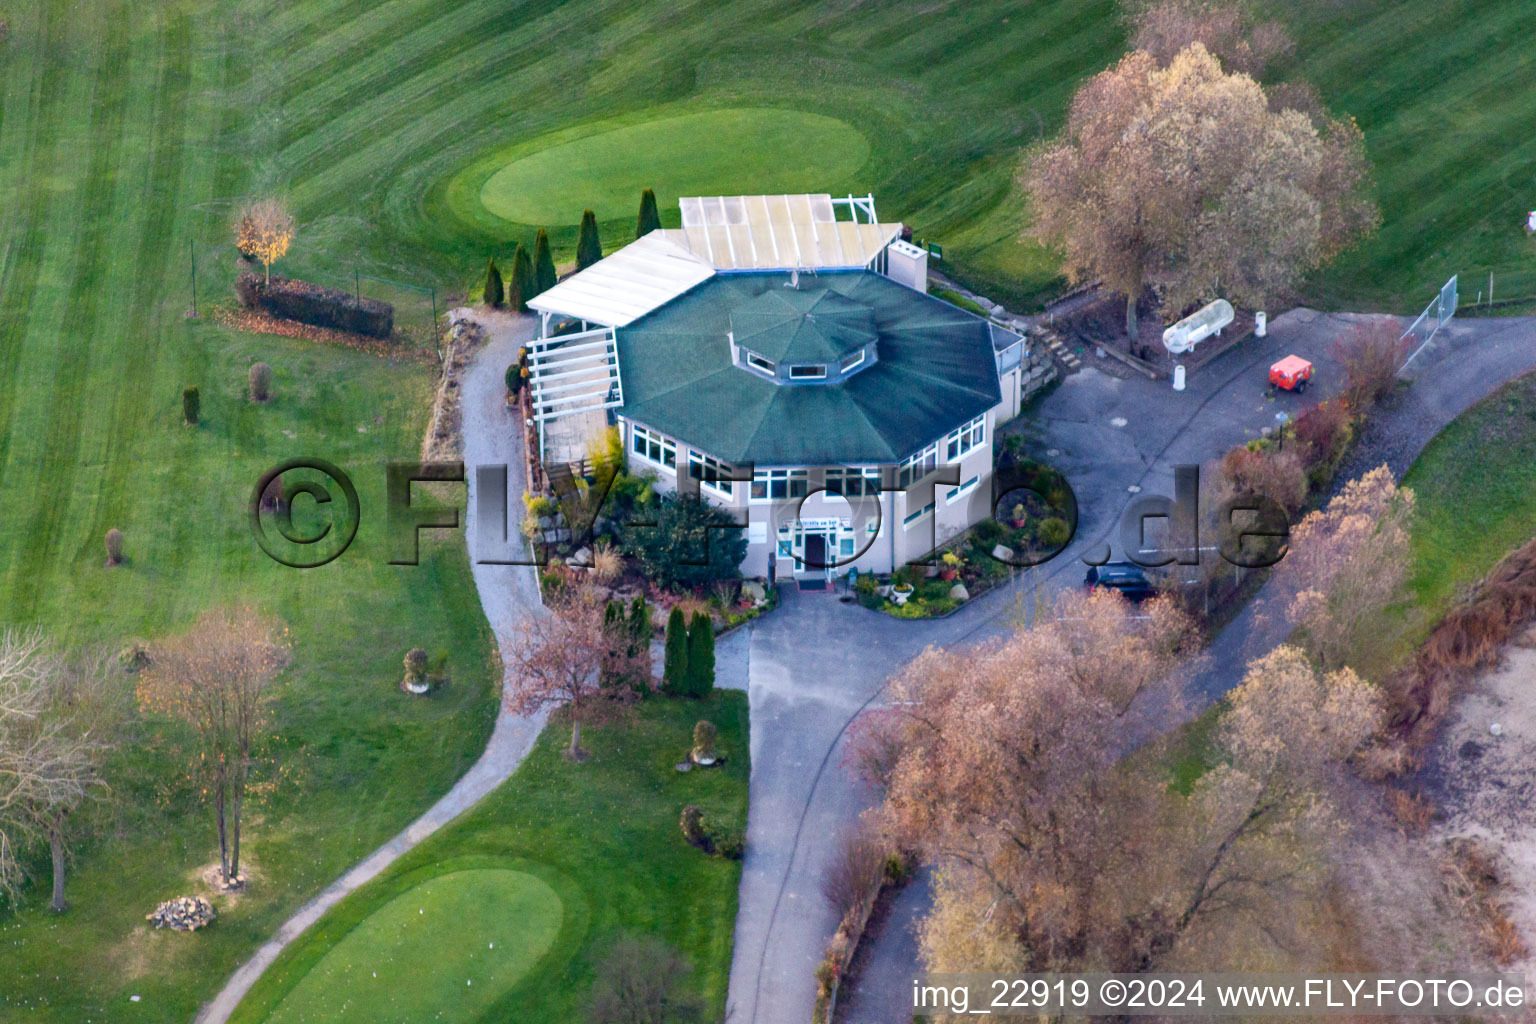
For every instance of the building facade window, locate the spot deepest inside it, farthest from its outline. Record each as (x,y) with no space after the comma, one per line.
(912,517)
(967,439)
(956,493)
(710,472)
(849,362)
(808,372)
(917,466)
(653,447)
(853,483)
(778,484)
(757,362)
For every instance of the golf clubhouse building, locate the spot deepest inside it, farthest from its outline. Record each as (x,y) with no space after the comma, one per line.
(780,356)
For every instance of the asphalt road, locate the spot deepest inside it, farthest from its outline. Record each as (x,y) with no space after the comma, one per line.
(815,664)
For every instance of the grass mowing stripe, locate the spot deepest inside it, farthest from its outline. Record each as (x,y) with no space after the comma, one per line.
(66,399)
(130,412)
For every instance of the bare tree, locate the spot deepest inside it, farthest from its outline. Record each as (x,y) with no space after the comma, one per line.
(1346,564)
(57,719)
(217,679)
(575,658)
(1181,176)
(264,231)
(1165,28)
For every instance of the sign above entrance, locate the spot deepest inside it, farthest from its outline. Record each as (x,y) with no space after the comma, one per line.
(845,523)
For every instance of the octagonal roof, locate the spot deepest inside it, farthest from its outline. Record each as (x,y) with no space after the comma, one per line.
(817,325)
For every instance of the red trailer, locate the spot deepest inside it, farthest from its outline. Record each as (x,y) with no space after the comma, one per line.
(1290,374)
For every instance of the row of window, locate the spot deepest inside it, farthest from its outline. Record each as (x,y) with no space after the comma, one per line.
(777,484)
(805,371)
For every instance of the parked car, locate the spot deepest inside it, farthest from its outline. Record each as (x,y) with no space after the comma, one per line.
(1128,578)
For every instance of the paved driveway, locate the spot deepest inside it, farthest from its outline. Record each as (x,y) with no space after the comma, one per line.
(815,664)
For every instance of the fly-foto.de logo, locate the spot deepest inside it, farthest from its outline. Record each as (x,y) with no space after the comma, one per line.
(306,512)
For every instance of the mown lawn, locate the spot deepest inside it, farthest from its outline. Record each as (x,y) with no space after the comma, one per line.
(602,835)
(1475,495)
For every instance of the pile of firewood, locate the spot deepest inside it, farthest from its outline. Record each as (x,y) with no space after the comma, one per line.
(184,914)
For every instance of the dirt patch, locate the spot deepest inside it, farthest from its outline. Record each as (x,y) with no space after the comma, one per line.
(394,347)
(1482,774)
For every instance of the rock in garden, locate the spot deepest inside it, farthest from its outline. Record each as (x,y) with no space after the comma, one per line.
(959,593)
(754,590)
(1002,553)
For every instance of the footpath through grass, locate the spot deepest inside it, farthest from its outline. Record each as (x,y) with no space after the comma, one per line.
(601,837)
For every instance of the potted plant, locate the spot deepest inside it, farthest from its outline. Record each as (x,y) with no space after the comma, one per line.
(1018,517)
(951,569)
(900,592)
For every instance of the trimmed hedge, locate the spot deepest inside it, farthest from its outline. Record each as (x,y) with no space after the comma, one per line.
(311,304)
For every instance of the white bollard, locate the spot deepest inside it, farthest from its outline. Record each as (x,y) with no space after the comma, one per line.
(1178,377)
(1261,323)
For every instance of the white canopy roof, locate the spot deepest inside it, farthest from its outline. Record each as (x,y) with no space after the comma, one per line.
(627,284)
(720,233)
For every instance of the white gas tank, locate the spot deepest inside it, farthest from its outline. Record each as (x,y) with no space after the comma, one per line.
(1198,326)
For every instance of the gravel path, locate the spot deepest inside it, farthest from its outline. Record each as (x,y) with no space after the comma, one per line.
(507,592)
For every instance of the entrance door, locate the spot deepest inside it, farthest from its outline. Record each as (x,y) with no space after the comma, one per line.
(815,552)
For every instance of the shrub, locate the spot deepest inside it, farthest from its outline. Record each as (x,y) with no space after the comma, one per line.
(704,737)
(191,406)
(607,564)
(989,533)
(855,870)
(674,670)
(701,655)
(727,841)
(589,247)
(1324,432)
(649,219)
(261,382)
(1370,353)
(493,292)
(642,980)
(114,547)
(134,657)
(692,544)
(1276,475)
(514,378)
(415,668)
(692,824)
(311,304)
(520,288)
(1054,532)
(544,275)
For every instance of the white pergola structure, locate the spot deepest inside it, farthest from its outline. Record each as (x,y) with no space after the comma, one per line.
(572,375)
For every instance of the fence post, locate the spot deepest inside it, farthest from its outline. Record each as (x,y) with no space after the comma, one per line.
(192,248)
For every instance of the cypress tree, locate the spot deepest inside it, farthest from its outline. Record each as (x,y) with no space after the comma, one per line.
(638,626)
(616,629)
(674,670)
(701,655)
(544,276)
(191,406)
(589,248)
(520,288)
(495,294)
(649,219)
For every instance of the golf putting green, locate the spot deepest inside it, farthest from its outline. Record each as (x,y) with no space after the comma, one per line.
(717,152)
(443,950)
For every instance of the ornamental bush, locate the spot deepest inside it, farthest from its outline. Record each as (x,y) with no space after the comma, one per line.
(649,219)
(674,669)
(114,543)
(701,655)
(261,382)
(704,737)
(589,247)
(191,406)
(692,544)
(520,288)
(493,292)
(544,275)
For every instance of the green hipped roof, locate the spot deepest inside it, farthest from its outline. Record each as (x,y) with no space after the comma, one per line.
(936,369)
(813,325)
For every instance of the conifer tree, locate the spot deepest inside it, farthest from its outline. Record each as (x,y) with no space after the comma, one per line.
(649,219)
(544,276)
(674,670)
(589,248)
(520,288)
(701,655)
(495,294)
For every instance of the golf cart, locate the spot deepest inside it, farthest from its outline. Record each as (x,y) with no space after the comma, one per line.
(1290,374)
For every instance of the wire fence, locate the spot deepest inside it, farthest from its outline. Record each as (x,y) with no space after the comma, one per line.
(1501,287)
(212,270)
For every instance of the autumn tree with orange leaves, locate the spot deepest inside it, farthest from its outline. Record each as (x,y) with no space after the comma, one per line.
(217,678)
